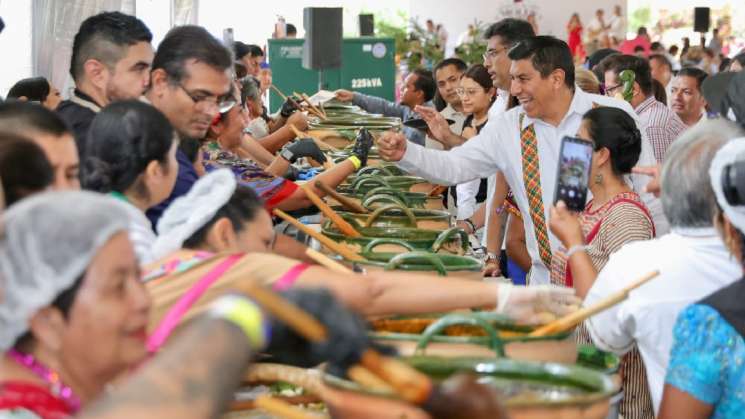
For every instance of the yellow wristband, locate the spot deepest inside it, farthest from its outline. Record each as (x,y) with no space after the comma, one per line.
(245,314)
(356,162)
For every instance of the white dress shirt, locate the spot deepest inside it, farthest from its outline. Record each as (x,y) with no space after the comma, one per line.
(693,263)
(497,148)
(448,113)
(497,108)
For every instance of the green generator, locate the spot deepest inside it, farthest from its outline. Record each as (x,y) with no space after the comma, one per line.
(368,66)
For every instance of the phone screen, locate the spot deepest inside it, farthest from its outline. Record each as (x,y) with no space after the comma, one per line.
(574,173)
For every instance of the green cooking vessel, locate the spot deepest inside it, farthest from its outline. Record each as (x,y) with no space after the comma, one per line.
(362,184)
(396,215)
(418,261)
(494,325)
(522,384)
(388,195)
(416,239)
(590,356)
(382,170)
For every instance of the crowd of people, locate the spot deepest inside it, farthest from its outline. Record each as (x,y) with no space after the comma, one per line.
(167,154)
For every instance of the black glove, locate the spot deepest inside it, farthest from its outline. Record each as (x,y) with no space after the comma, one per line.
(347,333)
(362,146)
(291,173)
(305,147)
(288,108)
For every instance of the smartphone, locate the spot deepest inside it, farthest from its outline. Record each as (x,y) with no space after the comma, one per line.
(573,175)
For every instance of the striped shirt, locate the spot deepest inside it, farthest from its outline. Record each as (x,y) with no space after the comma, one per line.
(661,125)
(621,222)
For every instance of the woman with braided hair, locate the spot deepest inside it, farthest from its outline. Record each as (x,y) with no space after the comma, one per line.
(613,217)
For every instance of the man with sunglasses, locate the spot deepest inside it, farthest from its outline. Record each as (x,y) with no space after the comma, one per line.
(191,84)
(111,58)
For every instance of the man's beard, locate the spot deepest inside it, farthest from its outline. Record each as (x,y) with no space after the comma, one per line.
(113,93)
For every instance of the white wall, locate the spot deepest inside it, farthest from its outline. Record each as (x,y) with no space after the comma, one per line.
(15,43)
(553,15)
(253,22)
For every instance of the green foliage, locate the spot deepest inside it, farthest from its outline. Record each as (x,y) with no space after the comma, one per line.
(640,17)
(473,52)
(395,29)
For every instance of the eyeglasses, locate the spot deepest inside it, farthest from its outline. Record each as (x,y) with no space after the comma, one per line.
(467,92)
(609,91)
(223,105)
(492,53)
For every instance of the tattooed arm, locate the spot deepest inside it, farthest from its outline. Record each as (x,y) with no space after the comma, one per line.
(189,379)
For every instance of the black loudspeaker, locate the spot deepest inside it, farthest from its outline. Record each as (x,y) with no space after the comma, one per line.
(367,25)
(701,19)
(323,34)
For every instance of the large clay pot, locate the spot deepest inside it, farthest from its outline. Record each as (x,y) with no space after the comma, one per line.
(396,215)
(455,266)
(386,195)
(531,390)
(362,184)
(481,334)
(453,240)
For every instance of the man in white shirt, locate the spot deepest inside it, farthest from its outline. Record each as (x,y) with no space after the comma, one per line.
(447,76)
(692,260)
(550,108)
(617,25)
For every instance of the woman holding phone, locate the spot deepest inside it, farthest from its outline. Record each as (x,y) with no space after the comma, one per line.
(613,217)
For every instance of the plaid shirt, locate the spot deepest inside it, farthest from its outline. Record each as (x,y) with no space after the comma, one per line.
(661,125)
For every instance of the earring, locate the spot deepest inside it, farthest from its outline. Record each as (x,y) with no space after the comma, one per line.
(598,179)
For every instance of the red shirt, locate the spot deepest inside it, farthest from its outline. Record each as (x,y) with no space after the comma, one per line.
(627,47)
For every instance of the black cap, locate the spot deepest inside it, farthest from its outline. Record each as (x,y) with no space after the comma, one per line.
(2,24)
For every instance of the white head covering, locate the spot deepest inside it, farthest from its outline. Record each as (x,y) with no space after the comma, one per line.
(724,157)
(187,214)
(48,241)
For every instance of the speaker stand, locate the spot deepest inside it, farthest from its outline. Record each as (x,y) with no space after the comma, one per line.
(321,82)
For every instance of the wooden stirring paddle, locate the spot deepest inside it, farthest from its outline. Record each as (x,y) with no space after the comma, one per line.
(327,262)
(567,322)
(347,203)
(322,238)
(342,224)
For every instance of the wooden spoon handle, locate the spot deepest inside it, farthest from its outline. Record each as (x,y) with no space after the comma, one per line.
(410,384)
(343,200)
(567,322)
(327,262)
(335,218)
(332,245)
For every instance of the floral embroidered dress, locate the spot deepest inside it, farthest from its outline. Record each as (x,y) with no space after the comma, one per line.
(270,188)
(707,360)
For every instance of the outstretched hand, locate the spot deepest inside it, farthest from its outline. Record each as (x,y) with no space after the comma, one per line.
(653,186)
(527,305)
(437,124)
(392,146)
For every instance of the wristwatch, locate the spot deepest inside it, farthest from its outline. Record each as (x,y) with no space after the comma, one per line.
(491,256)
(288,155)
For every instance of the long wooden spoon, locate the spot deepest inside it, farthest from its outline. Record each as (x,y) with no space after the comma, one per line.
(567,322)
(342,224)
(322,238)
(341,199)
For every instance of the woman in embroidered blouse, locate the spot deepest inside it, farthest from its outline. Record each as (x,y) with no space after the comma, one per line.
(706,373)
(615,216)
(74,312)
(131,155)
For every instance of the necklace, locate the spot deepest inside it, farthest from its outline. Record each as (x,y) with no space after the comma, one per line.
(49,376)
